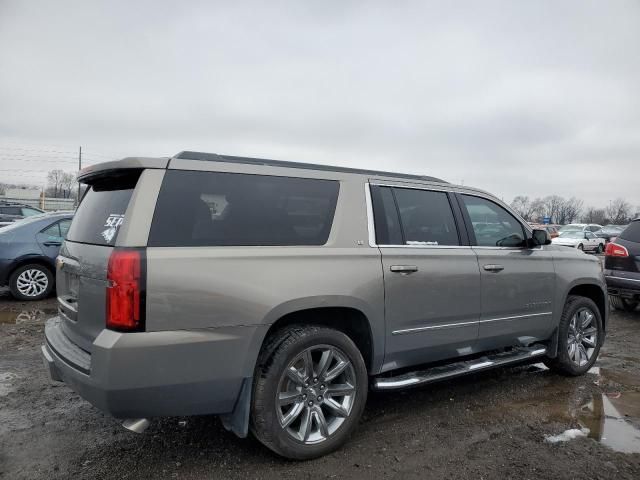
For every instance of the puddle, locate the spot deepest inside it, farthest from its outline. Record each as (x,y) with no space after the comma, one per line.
(26,316)
(602,418)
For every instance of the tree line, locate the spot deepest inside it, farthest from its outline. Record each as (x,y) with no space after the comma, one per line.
(570,210)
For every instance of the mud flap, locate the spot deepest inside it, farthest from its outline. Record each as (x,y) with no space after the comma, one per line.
(238,420)
(552,346)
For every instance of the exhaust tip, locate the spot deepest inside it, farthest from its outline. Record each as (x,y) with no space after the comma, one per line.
(136,425)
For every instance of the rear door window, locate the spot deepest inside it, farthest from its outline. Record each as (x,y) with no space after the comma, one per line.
(102,209)
(230,209)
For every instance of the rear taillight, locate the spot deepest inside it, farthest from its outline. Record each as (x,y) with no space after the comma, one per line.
(615,250)
(125,292)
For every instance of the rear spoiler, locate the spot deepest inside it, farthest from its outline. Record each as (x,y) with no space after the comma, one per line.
(99,170)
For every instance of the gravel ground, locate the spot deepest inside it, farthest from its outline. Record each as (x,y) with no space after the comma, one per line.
(488,426)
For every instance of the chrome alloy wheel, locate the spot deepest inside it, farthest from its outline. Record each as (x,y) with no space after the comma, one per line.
(583,336)
(316,394)
(32,282)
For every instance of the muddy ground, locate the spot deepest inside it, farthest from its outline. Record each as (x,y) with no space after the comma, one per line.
(488,426)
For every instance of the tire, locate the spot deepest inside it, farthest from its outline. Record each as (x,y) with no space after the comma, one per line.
(286,350)
(600,249)
(565,361)
(624,304)
(31,282)
(581,247)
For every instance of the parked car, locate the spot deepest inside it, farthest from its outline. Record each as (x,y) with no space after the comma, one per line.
(275,294)
(622,268)
(10,212)
(580,227)
(28,249)
(610,232)
(580,239)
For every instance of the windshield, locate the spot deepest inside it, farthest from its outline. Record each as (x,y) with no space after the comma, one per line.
(569,228)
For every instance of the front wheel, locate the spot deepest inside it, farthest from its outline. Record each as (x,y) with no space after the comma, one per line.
(623,303)
(581,247)
(600,248)
(310,389)
(580,337)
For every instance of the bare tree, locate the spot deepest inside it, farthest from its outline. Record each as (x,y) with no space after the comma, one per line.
(524,207)
(60,184)
(619,211)
(569,210)
(595,215)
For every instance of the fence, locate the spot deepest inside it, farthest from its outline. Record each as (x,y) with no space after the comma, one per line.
(48,204)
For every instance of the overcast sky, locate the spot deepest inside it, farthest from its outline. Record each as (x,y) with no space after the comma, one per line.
(517,97)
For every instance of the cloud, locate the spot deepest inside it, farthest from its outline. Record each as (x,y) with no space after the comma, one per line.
(532,98)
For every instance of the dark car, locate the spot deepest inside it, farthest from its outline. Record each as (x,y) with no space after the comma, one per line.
(622,268)
(610,232)
(28,251)
(10,212)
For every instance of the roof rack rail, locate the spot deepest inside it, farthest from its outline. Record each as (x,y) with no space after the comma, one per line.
(214,157)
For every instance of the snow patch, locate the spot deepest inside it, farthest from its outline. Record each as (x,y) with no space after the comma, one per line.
(567,435)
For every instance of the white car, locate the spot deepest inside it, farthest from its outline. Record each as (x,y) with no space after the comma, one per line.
(582,240)
(582,227)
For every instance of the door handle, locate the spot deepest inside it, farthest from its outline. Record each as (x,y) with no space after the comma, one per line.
(406,269)
(493,268)
(52,244)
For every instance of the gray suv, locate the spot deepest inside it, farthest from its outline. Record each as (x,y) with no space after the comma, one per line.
(276,294)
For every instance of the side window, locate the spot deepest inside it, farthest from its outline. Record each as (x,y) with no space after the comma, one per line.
(426,217)
(385,215)
(232,209)
(594,228)
(590,235)
(493,226)
(11,211)
(64,227)
(53,230)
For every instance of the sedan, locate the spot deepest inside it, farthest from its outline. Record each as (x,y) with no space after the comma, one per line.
(582,240)
(28,250)
(610,232)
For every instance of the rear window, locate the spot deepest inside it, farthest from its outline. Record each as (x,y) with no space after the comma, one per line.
(226,209)
(101,211)
(632,232)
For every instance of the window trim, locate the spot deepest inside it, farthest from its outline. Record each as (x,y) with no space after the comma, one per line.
(463,235)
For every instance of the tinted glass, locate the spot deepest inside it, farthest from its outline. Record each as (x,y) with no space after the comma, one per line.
(64,227)
(493,226)
(426,217)
(101,211)
(385,214)
(11,210)
(632,232)
(52,230)
(218,209)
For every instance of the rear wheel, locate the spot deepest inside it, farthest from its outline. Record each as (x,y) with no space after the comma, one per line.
(580,337)
(619,303)
(310,389)
(31,282)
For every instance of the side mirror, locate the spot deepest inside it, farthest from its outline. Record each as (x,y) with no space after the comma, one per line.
(540,237)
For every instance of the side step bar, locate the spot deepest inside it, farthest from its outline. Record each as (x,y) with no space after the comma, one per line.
(457,369)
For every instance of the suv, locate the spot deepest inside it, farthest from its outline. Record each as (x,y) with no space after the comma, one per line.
(622,268)
(275,294)
(10,212)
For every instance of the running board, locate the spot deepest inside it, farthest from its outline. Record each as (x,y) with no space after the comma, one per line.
(451,370)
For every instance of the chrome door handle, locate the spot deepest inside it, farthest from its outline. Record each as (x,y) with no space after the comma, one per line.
(404,268)
(493,268)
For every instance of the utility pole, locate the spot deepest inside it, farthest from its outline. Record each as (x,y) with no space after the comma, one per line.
(79,168)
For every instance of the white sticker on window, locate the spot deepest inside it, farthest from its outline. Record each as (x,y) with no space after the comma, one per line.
(113,222)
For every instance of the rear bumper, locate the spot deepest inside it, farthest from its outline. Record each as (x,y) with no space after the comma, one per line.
(627,286)
(131,375)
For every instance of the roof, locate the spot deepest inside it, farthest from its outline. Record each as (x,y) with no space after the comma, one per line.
(214,157)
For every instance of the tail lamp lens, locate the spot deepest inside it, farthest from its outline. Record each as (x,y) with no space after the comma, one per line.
(615,250)
(125,309)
